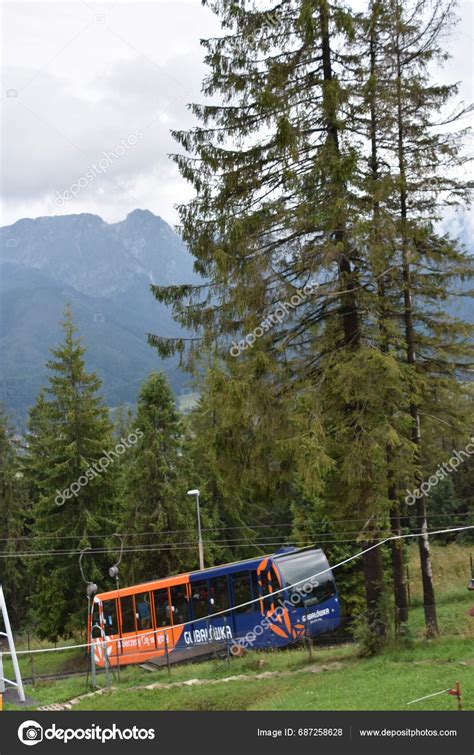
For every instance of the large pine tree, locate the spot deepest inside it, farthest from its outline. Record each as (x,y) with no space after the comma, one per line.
(302,176)
(158,517)
(72,501)
(413,167)
(273,168)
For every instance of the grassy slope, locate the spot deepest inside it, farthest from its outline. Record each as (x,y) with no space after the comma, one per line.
(385,683)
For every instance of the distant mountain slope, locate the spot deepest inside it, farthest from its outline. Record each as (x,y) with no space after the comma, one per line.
(461,226)
(104,271)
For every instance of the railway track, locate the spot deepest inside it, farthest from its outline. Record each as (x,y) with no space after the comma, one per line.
(101,672)
(57,676)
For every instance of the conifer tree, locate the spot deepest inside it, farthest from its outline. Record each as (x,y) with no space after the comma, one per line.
(71,487)
(412,165)
(299,180)
(254,448)
(158,517)
(272,167)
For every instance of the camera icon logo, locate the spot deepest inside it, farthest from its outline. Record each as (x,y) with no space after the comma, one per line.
(30,733)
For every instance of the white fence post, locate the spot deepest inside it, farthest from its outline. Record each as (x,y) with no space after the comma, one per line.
(11,645)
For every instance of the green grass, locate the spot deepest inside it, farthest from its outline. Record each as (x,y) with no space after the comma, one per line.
(387,682)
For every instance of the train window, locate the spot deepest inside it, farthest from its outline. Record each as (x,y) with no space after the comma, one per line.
(95,622)
(255,590)
(200,595)
(299,569)
(242,592)
(162,607)
(95,614)
(143,605)
(109,608)
(128,614)
(321,592)
(180,604)
(220,599)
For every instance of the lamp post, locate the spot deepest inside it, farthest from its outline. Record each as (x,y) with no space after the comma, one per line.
(200,543)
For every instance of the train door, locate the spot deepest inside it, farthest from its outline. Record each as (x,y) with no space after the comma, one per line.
(245,610)
(281,621)
(220,601)
(269,583)
(201,611)
(105,630)
(180,610)
(128,624)
(146,639)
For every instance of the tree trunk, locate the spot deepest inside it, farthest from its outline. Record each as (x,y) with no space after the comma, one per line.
(349,311)
(398,569)
(429,600)
(399,586)
(423,542)
(374,590)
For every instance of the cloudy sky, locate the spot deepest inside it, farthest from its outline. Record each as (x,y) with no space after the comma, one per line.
(81,79)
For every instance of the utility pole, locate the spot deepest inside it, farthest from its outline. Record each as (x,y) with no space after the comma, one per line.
(114,574)
(91,590)
(11,645)
(200,543)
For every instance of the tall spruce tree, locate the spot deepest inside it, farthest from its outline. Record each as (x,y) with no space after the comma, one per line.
(414,170)
(246,439)
(158,517)
(72,495)
(298,179)
(273,167)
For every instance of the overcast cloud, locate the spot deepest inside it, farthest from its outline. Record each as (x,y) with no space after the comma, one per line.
(79,77)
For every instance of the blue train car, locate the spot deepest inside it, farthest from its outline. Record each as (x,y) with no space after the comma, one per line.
(257,603)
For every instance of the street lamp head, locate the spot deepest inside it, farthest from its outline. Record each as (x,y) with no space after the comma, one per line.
(193,492)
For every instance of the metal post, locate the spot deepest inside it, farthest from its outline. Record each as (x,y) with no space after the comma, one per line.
(114,573)
(11,644)
(117,587)
(308,638)
(227,651)
(200,543)
(106,660)
(31,660)
(167,653)
(91,641)
(2,681)
(94,684)
(408,587)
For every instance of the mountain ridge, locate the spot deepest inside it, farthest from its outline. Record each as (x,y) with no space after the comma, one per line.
(104,271)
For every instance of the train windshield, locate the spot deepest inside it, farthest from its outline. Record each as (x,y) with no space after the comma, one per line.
(310,574)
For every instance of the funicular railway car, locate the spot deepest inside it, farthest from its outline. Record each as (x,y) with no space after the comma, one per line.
(262,602)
